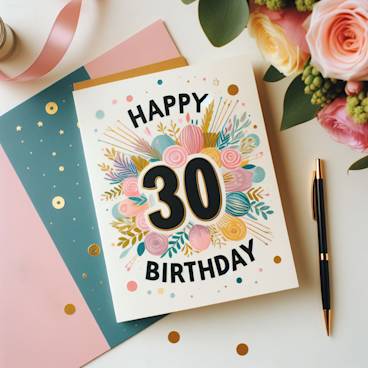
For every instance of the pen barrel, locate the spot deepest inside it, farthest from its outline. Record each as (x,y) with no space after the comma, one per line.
(321,217)
(325,284)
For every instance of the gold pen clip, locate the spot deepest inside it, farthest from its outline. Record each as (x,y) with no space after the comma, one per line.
(313,196)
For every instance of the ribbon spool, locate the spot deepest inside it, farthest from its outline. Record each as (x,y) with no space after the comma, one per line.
(57,43)
(7,40)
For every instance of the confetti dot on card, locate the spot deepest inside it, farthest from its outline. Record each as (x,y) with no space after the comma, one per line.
(51,108)
(160,290)
(61,168)
(239,280)
(173,337)
(149,292)
(69,309)
(58,202)
(260,269)
(129,98)
(114,101)
(100,114)
(233,89)
(159,82)
(277,259)
(132,286)
(242,349)
(172,295)
(94,250)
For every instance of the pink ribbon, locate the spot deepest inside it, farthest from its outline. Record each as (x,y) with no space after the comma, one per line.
(58,42)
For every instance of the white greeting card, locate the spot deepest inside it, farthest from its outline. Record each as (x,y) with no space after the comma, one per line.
(184,188)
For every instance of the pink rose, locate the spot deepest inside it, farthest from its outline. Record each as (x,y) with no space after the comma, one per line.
(128,208)
(156,244)
(353,88)
(341,127)
(338,38)
(130,186)
(230,158)
(175,156)
(141,222)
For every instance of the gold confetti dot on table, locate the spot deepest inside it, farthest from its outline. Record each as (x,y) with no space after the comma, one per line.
(233,89)
(69,309)
(58,202)
(40,124)
(94,250)
(18,128)
(61,132)
(242,349)
(173,337)
(277,259)
(84,275)
(51,108)
(160,290)
(61,168)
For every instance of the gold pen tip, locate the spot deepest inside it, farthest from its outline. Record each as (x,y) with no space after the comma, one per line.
(319,169)
(327,318)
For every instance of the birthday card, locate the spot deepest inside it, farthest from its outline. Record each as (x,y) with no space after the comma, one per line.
(184,189)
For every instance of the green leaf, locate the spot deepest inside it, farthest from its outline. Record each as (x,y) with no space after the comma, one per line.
(297,106)
(223,20)
(188,1)
(360,164)
(273,75)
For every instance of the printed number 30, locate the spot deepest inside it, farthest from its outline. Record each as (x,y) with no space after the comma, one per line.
(168,193)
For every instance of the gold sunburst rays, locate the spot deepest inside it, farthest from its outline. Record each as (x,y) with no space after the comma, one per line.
(226,110)
(261,232)
(122,137)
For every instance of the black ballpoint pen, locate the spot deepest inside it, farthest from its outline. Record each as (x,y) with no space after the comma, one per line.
(319,216)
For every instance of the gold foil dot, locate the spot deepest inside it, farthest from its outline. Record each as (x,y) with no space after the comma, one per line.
(18,128)
(58,202)
(51,108)
(277,259)
(61,168)
(94,250)
(173,337)
(242,349)
(160,290)
(233,89)
(84,275)
(69,309)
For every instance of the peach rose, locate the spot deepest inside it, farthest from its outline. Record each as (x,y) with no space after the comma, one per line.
(338,38)
(275,44)
(341,127)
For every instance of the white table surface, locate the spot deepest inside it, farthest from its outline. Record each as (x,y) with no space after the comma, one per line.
(283,329)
